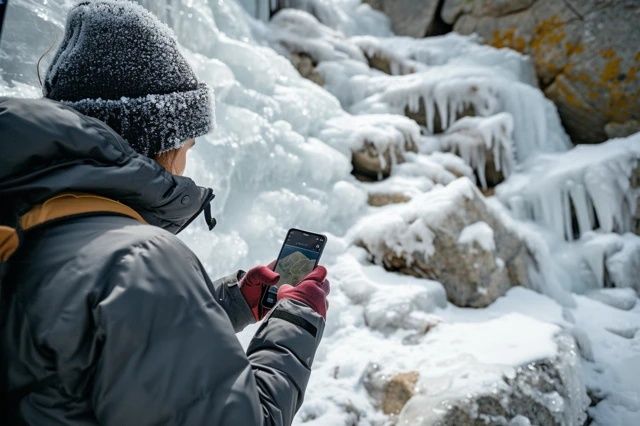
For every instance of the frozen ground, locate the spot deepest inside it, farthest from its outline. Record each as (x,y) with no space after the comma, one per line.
(281,157)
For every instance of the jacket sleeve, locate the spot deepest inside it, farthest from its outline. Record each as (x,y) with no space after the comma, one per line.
(167,354)
(227,292)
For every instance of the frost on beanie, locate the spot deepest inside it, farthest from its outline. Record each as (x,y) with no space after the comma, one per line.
(120,64)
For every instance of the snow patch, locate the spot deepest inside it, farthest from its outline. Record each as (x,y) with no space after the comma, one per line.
(479,233)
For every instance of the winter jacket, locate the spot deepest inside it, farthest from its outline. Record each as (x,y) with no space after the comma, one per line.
(121,314)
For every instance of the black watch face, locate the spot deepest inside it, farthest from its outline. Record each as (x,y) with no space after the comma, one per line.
(270,297)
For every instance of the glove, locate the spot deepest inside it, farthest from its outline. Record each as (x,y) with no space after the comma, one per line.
(252,284)
(312,291)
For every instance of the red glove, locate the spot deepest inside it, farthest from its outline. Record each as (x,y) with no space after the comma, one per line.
(251,285)
(312,291)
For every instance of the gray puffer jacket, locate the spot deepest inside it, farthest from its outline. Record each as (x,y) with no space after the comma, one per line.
(120,314)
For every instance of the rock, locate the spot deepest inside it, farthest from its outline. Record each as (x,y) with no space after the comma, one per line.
(409,17)
(369,164)
(546,392)
(398,391)
(390,394)
(422,238)
(382,62)
(617,130)
(306,67)
(382,199)
(585,54)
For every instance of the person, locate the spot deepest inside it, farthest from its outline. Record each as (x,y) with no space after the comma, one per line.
(107,317)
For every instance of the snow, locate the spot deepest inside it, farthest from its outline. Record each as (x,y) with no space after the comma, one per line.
(280,157)
(479,233)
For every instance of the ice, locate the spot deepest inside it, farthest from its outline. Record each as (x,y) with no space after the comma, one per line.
(447,90)
(350,17)
(473,137)
(621,298)
(624,265)
(479,233)
(586,188)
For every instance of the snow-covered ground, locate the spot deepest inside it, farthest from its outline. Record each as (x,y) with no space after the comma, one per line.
(280,157)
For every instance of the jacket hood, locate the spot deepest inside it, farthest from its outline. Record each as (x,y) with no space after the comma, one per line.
(47,148)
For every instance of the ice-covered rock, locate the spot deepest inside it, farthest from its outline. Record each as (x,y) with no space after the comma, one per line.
(586,188)
(451,48)
(376,142)
(416,175)
(445,93)
(500,373)
(485,144)
(296,31)
(390,300)
(585,54)
(430,237)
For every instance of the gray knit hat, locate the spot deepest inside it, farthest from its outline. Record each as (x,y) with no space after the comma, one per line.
(120,64)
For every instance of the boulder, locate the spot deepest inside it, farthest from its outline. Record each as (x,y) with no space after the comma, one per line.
(409,17)
(585,54)
(511,370)
(544,392)
(450,235)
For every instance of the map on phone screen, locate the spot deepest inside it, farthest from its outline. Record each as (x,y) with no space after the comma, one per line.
(298,256)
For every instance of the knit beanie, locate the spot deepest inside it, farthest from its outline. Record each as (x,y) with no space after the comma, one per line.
(120,64)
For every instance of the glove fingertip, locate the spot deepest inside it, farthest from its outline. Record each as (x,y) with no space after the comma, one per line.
(326,286)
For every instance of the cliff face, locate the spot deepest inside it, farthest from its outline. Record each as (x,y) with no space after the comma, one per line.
(585,52)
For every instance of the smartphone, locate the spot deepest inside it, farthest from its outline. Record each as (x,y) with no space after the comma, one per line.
(299,255)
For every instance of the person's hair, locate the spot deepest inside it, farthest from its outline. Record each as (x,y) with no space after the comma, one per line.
(46,52)
(167,160)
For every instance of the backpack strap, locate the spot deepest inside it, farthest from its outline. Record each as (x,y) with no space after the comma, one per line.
(70,204)
(61,206)
(9,242)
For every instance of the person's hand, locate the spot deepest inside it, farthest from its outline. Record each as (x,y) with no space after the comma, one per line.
(252,285)
(312,291)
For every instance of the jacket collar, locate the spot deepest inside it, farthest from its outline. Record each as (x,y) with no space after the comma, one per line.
(47,148)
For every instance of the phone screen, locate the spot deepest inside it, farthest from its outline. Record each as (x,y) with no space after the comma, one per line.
(299,255)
